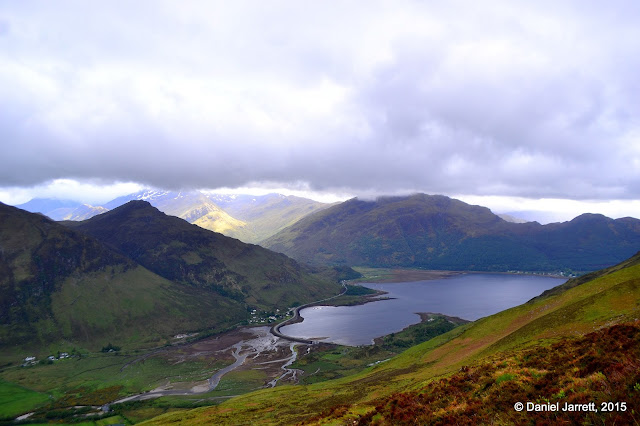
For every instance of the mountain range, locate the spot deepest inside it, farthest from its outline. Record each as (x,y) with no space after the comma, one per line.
(425,231)
(437,232)
(248,218)
(62,209)
(134,276)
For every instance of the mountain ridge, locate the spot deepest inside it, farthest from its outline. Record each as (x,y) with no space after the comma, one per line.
(437,232)
(249,218)
(142,278)
(185,253)
(48,268)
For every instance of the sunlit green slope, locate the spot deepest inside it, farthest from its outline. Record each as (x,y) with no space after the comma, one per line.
(612,297)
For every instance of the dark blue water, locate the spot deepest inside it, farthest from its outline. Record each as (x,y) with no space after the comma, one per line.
(469,296)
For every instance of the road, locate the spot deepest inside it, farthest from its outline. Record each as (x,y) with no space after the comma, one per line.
(275,330)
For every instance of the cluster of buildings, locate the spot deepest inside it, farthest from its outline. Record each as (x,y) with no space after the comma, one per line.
(267,318)
(31,360)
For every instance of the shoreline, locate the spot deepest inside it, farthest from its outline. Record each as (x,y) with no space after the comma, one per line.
(399,275)
(296,318)
(402,275)
(425,317)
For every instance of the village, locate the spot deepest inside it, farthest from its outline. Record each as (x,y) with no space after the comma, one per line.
(31,360)
(268,317)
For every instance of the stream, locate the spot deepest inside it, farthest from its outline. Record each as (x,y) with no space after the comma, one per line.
(263,343)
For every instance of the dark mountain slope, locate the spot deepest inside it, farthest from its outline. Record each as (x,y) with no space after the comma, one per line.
(56,283)
(438,232)
(190,255)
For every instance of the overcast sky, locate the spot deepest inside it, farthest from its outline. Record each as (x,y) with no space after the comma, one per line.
(530,103)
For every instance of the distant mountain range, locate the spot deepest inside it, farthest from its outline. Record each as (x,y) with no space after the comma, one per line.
(135,276)
(62,209)
(437,232)
(245,217)
(425,231)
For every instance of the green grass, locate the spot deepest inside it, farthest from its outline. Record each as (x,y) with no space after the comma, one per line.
(609,299)
(94,379)
(334,362)
(238,382)
(110,421)
(329,363)
(16,400)
(99,378)
(373,274)
(100,370)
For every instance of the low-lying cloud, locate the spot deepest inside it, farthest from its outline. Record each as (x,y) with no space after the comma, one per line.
(499,98)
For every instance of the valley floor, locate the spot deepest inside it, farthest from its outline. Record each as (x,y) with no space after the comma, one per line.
(192,374)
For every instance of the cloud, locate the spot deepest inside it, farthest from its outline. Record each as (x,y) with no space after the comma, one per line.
(498,98)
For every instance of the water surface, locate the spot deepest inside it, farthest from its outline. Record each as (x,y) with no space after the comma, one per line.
(468,296)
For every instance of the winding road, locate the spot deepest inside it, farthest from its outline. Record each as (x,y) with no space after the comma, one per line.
(275,330)
(253,347)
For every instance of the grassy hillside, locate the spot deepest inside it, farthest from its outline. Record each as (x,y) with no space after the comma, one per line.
(482,368)
(265,215)
(60,288)
(187,254)
(196,208)
(437,232)
(219,221)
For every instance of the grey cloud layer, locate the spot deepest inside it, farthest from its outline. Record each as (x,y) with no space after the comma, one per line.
(504,98)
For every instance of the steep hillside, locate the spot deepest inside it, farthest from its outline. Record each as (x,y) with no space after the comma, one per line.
(188,254)
(438,232)
(267,214)
(562,348)
(58,284)
(192,206)
(196,208)
(83,212)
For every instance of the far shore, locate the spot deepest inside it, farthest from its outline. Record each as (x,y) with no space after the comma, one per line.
(387,275)
(402,275)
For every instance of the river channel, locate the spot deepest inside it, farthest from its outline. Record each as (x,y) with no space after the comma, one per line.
(468,296)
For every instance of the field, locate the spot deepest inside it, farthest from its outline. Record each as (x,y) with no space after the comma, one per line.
(398,275)
(16,400)
(93,379)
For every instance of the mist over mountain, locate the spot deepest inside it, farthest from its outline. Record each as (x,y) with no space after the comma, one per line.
(61,209)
